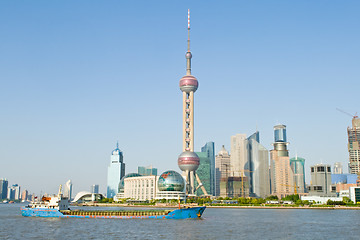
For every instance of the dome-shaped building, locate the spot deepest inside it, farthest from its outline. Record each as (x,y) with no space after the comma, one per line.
(171,181)
(171,185)
(121,184)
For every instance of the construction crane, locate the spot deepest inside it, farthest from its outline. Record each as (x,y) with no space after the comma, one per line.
(349,114)
(295,187)
(242,181)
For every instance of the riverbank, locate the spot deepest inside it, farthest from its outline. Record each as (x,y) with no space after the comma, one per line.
(164,205)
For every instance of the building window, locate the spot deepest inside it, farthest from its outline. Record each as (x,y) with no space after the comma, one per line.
(312,169)
(321,169)
(329,169)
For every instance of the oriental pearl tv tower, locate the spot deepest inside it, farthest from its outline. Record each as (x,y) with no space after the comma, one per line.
(188,160)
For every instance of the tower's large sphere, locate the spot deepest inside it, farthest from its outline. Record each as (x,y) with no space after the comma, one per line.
(188,83)
(171,181)
(188,161)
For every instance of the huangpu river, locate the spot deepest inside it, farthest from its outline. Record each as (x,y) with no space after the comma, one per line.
(217,223)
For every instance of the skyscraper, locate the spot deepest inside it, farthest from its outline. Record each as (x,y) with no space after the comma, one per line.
(338,168)
(281,175)
(3,188)
(94,188)
(209,149)
(24,195)
(354,146)
(238,158)
(298,167)
(147,171)
(239,164)
(68,189)
(258,158)
(204,174)
(13,192)
(116,172)
(188,160)
(222,168)
(321,181)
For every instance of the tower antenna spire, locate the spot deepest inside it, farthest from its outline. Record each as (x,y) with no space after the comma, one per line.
(188,53)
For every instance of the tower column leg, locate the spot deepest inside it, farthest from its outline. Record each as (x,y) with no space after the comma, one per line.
(192,182)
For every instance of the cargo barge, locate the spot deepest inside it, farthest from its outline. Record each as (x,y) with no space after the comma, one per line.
(58,206)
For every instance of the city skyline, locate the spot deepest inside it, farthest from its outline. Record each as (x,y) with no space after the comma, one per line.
(73,84)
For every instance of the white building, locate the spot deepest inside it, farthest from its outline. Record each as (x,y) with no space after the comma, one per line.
(354,194)
(68,189)
(238,157)
(140,188)
(146,188)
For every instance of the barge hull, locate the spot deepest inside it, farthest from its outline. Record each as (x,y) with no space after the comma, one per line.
(195,212)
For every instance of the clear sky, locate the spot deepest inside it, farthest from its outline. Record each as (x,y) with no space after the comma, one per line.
(77,76)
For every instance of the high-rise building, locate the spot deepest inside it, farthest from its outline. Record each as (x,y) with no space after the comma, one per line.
(24,195)
(209,149)
(116,171)
(13,192)
(222,166)
(240,165)
(281,175)
(147,171)
(338,168)
(354,146)
(67,192)
(258,159)
(188,160)
(204,173)
(3,188)
(298,167)
(94,188)
(321,181)
(238,158)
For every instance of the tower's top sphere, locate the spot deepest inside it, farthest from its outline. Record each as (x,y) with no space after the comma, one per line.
(188,83)
(188,161)
(171,181)
(188,55)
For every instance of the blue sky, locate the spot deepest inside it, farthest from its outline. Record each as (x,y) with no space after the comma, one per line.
(77,76)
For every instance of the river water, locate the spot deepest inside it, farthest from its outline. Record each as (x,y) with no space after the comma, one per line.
(217,223)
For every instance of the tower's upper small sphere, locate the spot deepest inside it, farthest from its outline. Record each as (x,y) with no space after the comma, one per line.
(188,161)
(188,83)
(171,181)
(188,55)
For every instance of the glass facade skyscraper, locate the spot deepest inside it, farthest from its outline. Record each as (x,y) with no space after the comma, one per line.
(297,165)
(204,173)
(3,188)
(116,172)
(258,159)
(147,171)
(209,149)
